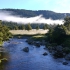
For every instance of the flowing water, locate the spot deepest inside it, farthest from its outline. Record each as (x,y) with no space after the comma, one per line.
(33,60)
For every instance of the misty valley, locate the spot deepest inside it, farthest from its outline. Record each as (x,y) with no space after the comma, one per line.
(33,41)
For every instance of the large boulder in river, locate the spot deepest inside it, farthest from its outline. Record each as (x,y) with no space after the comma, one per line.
(45,53)
(26,49)
(65,63)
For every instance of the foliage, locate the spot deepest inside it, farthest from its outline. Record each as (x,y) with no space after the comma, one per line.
(23,27)
(28,27)
(39,37)
(37,27)
(20,26)
(29,13)
(67,22)
(16,27)
(45,26)
(4,33)
(61,35)
(58,35)
(67,42)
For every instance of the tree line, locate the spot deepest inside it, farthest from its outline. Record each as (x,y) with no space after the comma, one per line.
(29,26)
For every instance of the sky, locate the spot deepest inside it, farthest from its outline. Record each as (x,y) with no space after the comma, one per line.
(60,6)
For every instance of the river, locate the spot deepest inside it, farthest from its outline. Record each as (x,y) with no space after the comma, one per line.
(33,60)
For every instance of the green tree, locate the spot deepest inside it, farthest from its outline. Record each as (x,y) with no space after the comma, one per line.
(67,22)
(16,28)
(37,27)
(23,27)
(1,37)
(45,26)
(4,33)
(58,34)
(28,27)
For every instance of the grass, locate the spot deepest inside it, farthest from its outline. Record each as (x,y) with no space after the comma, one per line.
(39,37)
(30,32)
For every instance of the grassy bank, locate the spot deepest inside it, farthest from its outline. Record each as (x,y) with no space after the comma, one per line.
(39,37)
(30,32)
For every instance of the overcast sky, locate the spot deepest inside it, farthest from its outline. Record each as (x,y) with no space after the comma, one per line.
(61,6)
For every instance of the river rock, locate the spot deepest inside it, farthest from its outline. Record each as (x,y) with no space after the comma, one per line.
(65,63)
(58,54)
(45,48)
(30,42)
(26,40)
(37,44)
(43,42)
(59,48)
(26,49)
(45,53)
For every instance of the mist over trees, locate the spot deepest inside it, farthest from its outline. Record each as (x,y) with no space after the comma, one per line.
(16,26)
(29,13)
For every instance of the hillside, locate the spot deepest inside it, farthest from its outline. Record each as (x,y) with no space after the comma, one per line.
(29,13)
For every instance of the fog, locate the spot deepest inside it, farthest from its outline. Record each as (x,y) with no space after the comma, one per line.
(7,16)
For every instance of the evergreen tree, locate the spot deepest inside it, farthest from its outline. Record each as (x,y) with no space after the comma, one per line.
(28,27)
(4,33)
(16,28)
(45,26)
(23,27)
(67,22)
(37,28)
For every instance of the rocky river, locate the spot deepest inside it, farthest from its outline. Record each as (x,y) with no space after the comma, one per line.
(31,60)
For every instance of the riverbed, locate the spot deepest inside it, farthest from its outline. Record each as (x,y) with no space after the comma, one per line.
(32,60)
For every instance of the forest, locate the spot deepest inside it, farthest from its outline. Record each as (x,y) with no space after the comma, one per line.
(20,26)
(29,13)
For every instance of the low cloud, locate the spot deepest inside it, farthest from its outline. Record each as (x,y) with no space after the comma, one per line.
(7,16)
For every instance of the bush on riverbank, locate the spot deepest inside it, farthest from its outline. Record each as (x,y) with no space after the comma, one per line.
(4,35)
(61,35)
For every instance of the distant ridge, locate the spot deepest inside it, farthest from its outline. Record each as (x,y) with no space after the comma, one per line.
(29,13)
